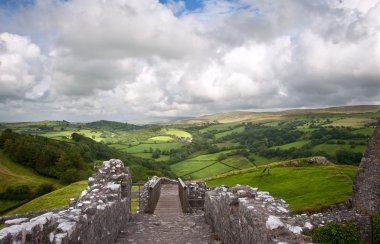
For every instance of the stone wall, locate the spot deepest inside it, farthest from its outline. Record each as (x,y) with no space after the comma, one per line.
(196,194)
(150,195)
(97,216)
(243,214)
(366,188)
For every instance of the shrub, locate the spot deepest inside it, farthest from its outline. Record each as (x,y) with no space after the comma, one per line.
(345,233)
(20,192)
(44,188)
(376,227)
(69,176)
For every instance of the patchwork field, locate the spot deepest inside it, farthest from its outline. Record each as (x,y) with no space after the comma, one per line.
(208,165)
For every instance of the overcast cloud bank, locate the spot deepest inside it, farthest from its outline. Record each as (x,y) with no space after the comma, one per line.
(94,59)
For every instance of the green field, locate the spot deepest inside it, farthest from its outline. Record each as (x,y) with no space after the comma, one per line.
(351,122)
(149,156)
(208,165)
(227,133)
(147,147)
(297,144)
(304,188)
(333,148)
(177,133)
(59,135)
(160,139)
(55,199)
(217,127)
(365,131)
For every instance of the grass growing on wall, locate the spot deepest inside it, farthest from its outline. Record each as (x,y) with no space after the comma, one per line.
(345,233)
(376,227)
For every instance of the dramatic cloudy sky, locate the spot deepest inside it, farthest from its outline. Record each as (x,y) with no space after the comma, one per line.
(126,59)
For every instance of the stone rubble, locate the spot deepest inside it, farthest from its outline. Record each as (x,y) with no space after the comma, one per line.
(196,194)
(95,217)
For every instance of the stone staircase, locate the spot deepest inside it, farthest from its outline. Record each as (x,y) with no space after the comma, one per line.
(168,204)
(168,224)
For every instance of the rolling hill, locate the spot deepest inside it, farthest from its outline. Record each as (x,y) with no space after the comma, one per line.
(13,175)
(245,116)
(305,187)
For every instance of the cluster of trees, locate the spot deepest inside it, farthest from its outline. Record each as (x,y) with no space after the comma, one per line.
(111,125)
(22,192)
(48,157)
(258,137)
(70,162)
(325,134)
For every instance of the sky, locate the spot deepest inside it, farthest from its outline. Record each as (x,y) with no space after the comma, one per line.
(85,60)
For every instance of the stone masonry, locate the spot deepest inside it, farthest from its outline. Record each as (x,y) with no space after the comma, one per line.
(242,214)
(97,216)
(245,215)
(366,188)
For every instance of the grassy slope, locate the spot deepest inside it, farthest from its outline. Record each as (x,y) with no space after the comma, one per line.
(13,174)
(162,146)
(297,144)
(177,133)
(236,117)
(236,130)
(55,199)
(160,139)
(304,188)
(333,148)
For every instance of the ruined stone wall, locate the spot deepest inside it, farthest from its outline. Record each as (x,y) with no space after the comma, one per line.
(243,214)
(366,188)
(96,217)
(196,194)
(150,195)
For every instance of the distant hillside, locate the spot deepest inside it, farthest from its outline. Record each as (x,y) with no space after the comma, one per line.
(110,125)
(244,116)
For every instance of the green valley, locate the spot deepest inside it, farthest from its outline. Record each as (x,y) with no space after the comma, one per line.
(200,148)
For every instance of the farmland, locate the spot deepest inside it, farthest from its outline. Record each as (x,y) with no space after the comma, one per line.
(227,143)
(306,188)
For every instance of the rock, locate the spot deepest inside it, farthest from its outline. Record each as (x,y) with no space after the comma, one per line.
(318,160)
(273,222)
(15,221)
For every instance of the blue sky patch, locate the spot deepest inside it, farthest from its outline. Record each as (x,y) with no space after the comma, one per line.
(13,4)
(190,5)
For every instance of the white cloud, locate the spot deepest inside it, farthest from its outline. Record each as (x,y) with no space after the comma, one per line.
(21,65)
(94,58)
